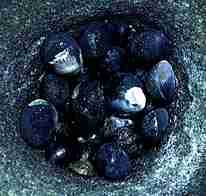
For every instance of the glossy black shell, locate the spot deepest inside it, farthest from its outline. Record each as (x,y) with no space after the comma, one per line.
(112,162)
(56,90)
(88,106)
(56,43)
(161,83)
(38,123)
(148,47)
(117,103)
(154,125)
(56,154)
(95,41)
(121,132)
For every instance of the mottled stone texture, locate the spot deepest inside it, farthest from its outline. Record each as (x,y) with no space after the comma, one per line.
(177,169)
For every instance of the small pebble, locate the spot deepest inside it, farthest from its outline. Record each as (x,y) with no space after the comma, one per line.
(82,167)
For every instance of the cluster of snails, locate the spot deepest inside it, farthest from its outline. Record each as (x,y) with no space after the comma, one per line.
(109,86)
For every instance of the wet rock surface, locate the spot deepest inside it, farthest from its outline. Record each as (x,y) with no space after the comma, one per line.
(179,166)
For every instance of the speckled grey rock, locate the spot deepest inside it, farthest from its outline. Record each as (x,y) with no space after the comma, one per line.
(178,168)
